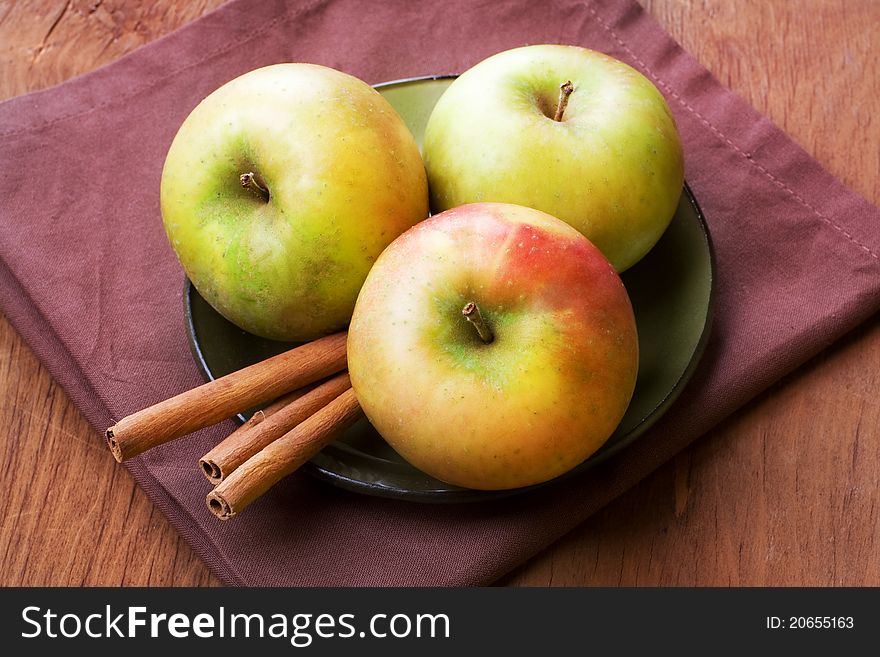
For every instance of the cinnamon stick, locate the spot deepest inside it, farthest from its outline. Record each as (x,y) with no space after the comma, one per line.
(224,397)
(255,419)
(281,417)
(283,456)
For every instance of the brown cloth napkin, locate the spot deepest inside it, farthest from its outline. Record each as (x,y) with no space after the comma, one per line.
(90,282)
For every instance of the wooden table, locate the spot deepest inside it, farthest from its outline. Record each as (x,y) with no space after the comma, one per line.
(783,493)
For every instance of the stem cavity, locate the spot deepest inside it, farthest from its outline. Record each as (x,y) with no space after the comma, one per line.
(472,314)
(249,181)
(565,90)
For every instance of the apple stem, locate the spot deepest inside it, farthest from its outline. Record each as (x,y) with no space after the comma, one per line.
(249,181)
(565,90)
(472,314)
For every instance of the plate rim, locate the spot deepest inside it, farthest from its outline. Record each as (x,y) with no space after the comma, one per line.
(460,495)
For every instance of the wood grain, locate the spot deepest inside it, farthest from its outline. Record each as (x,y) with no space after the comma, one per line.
(783,493)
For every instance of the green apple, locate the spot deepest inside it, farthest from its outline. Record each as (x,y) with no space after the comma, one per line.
(493,346)
(281,189)
(565,130)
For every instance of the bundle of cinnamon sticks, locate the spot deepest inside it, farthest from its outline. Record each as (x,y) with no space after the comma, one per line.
(311,403)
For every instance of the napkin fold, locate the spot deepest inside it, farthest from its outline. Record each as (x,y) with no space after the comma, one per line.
(88,279)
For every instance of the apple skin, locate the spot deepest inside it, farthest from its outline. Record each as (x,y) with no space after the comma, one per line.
(344,177)
(535,402)
(612,167)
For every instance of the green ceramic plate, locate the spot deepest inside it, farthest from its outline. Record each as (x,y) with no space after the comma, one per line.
(671,292)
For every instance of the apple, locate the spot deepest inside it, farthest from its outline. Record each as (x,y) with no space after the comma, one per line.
(565,130)
(280,190)
(493,346)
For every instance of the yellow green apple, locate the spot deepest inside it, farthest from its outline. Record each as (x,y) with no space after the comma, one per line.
(493,346)
(281,189)
(566,130)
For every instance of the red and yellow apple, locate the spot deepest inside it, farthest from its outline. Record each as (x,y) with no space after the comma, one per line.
(603,153)
(282,188)
(493,346)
